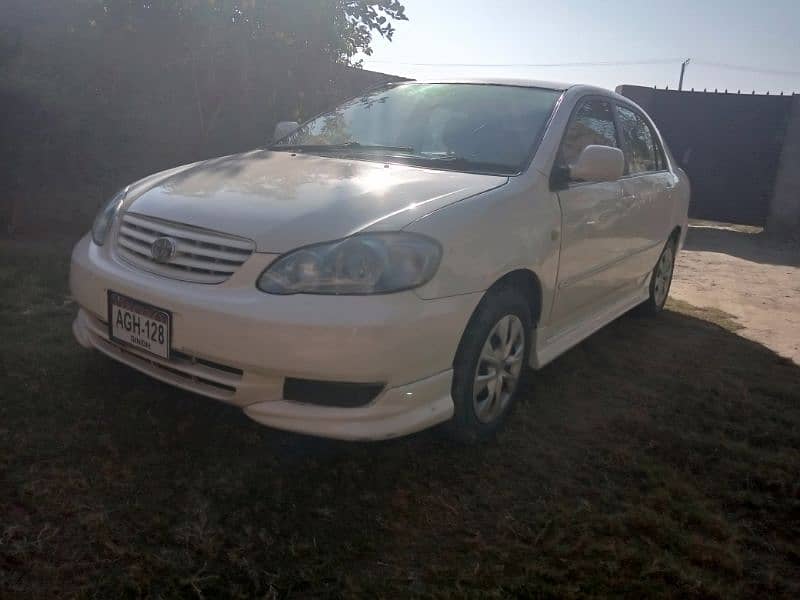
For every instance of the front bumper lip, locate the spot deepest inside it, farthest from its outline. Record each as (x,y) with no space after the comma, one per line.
(395,412)
(257,340)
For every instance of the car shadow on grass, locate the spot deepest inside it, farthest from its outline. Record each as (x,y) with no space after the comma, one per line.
(659,457)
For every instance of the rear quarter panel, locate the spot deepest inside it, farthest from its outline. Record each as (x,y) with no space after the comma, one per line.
(682,195)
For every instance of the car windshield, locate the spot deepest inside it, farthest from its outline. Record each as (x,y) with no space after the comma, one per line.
(468,127)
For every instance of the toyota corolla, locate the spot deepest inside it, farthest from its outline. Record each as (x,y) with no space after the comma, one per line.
(391,264)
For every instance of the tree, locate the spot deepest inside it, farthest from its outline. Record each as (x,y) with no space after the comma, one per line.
(337,29)
(98,93)
(290,37)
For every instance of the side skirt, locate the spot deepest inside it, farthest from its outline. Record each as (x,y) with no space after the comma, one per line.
(550,345)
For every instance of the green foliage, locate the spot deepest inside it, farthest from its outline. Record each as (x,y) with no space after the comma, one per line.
(338,29)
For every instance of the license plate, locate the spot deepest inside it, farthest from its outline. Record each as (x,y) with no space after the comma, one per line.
(140,325)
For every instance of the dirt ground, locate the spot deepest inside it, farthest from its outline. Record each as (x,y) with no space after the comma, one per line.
(755,279)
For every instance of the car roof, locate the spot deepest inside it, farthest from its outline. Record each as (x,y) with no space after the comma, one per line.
(519,82)
(550,85)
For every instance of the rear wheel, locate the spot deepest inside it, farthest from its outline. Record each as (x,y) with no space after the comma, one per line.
(661,280)
(489,363)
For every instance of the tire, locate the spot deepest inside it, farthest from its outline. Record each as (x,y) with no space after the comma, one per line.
(660,280)
(480,411)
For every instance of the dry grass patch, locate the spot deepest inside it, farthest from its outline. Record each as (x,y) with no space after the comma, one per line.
(658,458)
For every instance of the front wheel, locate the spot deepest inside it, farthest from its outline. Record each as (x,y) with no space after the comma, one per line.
(489,363)
(661,280)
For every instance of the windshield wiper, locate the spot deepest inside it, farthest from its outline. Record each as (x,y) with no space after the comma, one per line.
(347,146)
(403,153)
(461,162)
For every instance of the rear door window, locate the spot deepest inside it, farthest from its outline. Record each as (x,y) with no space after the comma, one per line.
(642,153)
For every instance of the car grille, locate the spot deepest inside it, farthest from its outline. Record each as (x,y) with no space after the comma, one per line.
(200,255)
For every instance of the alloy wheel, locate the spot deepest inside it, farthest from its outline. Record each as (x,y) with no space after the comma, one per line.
(499,368)
(663,276)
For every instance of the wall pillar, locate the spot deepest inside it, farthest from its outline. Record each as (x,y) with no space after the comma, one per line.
(784,209)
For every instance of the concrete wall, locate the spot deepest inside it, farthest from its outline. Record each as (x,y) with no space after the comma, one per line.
(784,210)
(643,96)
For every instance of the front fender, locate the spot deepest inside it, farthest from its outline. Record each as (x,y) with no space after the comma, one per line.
(516,226)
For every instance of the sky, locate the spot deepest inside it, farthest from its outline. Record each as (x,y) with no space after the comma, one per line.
(757,34)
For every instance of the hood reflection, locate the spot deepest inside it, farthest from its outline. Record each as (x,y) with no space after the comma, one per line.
(283,200)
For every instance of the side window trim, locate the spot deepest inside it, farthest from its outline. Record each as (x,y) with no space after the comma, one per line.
(578,105)
(661,156)
(623,142)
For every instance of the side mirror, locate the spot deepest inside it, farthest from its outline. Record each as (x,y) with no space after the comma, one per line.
(284,128)
(598,163)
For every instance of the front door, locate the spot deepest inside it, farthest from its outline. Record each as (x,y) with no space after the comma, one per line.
(591,215)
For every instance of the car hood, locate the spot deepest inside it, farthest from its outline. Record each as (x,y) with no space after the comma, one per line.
(283,200)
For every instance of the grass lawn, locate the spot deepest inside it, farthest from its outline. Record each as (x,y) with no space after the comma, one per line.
(660,458)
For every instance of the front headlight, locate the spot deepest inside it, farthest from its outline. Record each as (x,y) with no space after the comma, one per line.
(370,263)
(103,220)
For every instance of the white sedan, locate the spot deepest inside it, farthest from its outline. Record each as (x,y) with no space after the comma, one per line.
(391,264)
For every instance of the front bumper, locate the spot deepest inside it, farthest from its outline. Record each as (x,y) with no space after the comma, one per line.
(236,344)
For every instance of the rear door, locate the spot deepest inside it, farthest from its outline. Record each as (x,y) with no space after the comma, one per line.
(590,215)
(646,192)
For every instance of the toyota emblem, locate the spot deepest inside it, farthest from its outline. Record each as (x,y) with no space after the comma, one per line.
(163,249)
